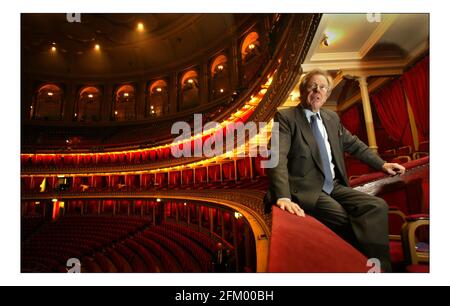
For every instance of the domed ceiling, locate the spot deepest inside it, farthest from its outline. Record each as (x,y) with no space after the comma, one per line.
(126,43)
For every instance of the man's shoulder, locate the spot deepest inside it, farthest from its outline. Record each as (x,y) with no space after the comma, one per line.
(329,113)
(288,112)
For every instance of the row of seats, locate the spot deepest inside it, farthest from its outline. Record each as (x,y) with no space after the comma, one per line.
(116,244)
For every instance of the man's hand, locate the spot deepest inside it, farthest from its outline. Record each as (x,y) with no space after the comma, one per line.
(393,168)
(293,208)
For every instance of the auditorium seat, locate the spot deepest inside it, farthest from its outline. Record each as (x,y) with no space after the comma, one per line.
(405,150)
(416,246)
(402,159)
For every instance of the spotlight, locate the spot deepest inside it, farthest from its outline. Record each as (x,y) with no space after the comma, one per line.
(325,41)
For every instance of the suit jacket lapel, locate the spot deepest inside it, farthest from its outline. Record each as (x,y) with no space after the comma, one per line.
(305,130)
(333,139)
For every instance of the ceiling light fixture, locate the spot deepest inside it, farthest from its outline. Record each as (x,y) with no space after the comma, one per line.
(325,41)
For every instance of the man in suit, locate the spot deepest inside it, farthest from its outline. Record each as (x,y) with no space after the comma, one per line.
(311,176)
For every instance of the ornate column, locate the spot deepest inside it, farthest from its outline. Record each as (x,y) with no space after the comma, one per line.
(107,102)
(367,113)
(140,99)
(234,64)
(69,101)
(173,93)
(203,83)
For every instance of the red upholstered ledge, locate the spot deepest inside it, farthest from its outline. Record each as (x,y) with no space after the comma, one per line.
(306,245)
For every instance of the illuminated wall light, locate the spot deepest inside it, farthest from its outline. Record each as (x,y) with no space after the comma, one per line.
(190,81)
(97,47)
(159,89)
(53,49)
(90,96)
(151,106)
(221,90)
(237,215)
(220,67)
(153,112)
(67,140)
(158,200)
(31,106)
(50,93)
(54,200)
(325,41)
(75,114)
(115,112)
(251,46)
(125,94)
(140,27)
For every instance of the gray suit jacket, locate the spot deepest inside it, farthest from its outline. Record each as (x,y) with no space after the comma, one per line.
(299,173)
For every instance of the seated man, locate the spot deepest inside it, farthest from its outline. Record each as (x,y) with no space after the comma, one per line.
(311,176)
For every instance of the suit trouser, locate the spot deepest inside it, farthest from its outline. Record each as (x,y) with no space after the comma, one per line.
(359,218)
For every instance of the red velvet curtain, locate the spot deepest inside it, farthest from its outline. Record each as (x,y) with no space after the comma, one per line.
(228,171)
(68,159)
(152,154)
(214,173)
(187,176)
(241,165)
(200,175)
(175,178)
(416,83)
(351,119)
(391,108)
(161,179)
(259,170)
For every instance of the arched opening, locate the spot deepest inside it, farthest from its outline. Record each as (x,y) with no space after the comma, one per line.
(158,99)
(48,103)
(124,103)
(251,57)
(219,77)
(190,95)
(88,104)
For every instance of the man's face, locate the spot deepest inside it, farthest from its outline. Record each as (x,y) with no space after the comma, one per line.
(317,92)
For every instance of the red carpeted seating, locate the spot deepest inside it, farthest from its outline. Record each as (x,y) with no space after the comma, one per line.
(307,245)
